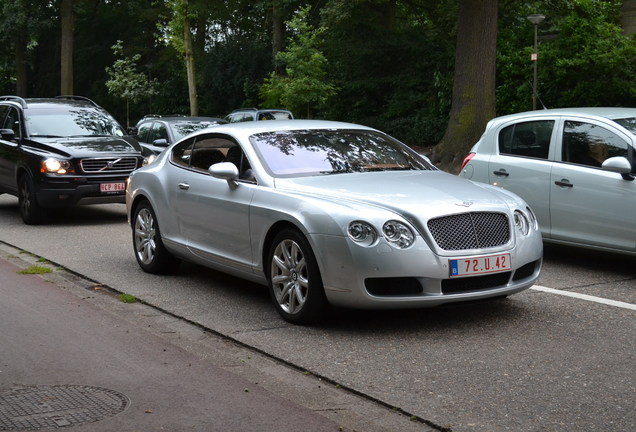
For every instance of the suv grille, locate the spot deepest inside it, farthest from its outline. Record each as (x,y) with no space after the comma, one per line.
(470,230)
(125,164)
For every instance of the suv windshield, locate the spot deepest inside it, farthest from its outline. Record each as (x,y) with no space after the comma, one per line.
(312,152)
(74,121)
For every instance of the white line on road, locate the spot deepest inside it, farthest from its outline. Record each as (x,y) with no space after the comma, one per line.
(585,297)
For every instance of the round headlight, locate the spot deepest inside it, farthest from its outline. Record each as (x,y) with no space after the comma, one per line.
(148,160)
(521,222)
(398,234)
(362,232)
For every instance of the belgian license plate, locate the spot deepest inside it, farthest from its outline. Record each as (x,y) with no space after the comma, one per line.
(480,265)
(112,187)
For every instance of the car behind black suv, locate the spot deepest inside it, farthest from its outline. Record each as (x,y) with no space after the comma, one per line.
(157,132)
(62,152)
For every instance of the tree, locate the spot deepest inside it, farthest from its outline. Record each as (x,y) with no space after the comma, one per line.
(304,85)
(473,100)
(66,59)
(125,82)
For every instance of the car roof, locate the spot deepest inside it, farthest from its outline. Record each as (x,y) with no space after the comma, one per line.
(74,101)
(178,119)
(250,128)
(605,112)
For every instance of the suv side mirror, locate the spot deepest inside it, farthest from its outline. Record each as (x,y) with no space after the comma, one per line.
(161,142)
(7,134)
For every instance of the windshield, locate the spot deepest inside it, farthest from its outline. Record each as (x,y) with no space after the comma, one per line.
(319,152)
(628,123)
(67,122)
(181,129)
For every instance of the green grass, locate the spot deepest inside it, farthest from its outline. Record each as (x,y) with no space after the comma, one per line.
(127,298)
(35,269)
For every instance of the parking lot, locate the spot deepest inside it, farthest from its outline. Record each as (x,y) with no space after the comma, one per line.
(557,358)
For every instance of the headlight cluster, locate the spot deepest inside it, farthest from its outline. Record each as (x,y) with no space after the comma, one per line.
(148,160)
(56,166)
(394,232)
(525,221)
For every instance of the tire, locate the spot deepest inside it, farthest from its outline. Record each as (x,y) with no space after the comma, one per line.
(31,211)
(150,252)
(295,284)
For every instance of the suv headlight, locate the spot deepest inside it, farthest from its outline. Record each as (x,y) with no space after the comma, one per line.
(149,159)
(56,166)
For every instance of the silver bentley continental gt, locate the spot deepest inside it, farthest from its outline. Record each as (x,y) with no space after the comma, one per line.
(329,213)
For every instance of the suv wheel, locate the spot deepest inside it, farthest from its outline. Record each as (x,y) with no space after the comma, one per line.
(30,210)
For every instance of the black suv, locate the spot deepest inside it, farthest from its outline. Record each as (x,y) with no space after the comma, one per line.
(62,152)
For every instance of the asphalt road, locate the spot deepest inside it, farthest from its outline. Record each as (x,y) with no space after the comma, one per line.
(538,361)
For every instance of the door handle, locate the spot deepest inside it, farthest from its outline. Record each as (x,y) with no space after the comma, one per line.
(184,186)
(563,183)
(501,173)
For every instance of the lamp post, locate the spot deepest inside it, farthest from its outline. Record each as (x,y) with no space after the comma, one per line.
(535,19)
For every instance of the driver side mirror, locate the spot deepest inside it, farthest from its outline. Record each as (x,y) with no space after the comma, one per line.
(7,134)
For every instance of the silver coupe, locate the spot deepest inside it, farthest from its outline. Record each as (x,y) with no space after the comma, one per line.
(329,213)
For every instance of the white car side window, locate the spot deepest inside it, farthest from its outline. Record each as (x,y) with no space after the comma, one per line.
(589,144)
(527,139)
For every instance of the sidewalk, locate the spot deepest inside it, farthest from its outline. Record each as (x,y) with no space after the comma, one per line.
(65,362)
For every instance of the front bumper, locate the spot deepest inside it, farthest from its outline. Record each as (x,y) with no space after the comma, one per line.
(64,192)
(385,277)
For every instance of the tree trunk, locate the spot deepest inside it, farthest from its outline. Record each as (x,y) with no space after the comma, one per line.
(66,61)
(189,58)
(473,101)
(21,65)
(278,31)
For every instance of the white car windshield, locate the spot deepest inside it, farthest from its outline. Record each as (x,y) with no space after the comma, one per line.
(319,152)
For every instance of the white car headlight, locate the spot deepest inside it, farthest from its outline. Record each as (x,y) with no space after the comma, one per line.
(398,234)
(56,166)
(534,223)
(362,232)
(521,222)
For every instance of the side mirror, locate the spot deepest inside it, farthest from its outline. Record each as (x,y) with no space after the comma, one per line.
(620,165)
(7,134)
(161,142)
(226,171)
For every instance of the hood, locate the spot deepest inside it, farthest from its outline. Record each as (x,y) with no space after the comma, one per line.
(413,194)
(89,146)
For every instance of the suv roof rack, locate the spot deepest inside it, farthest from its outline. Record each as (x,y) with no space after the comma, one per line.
(245,109)
(17,99)
(80,98)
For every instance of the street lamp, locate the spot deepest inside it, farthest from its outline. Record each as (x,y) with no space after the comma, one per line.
(535,19)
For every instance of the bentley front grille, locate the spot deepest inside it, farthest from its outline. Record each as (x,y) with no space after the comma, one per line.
(109,165)
(477,230)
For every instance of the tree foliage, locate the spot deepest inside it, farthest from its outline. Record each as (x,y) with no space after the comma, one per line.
(304,86)
(392,61)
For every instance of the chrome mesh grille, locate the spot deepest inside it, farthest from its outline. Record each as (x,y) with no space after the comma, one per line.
(476,230)
(125,164)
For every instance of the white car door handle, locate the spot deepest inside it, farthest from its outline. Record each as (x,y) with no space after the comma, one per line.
(501,173)
(184,186)
(563,183)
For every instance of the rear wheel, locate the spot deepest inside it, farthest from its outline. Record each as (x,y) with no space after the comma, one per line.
(30,210)
(294,278)
(152,256)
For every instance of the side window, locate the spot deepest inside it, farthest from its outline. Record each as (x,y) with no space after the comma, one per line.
(589,144)
(207,151)
(182,153)
(12,121)
(144,132)
(528,139)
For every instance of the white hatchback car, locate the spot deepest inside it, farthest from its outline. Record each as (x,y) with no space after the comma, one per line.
(575,168)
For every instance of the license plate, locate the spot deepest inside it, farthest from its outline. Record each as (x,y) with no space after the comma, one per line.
(112,187)
(481,265)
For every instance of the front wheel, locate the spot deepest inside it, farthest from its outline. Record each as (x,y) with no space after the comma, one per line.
(30,210)
(294,279)
(152,256)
